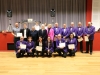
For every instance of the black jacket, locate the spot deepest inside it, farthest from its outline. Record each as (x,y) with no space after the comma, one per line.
(43,35)
(27,32)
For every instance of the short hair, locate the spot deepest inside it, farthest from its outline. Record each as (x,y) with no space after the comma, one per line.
(59,34)
(72,22)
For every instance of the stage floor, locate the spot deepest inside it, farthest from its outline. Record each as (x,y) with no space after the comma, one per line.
(81,64)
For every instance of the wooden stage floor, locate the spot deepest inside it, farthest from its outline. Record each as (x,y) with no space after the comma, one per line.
(81,64)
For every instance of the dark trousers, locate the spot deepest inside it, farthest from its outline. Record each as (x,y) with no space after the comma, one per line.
(71,52)
(31,53)
(15,40)
(58,50)
(20,54)
(54,46)
(43,48)
(81,46)
(89,46)
(48,53)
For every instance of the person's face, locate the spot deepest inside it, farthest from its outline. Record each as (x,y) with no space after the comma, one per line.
(79,25)
(72,25)
(21,38)
(16,25)
(56,25)
(71,36)
(24,26)
(43,27)
(37,23)
(64,26)
(33,28)
(89,24)
(59,37)
(49,26)
(40,39)
(30,39)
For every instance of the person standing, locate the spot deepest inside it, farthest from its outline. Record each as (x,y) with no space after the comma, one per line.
(65,32)
(16,30)
(25,32)
(57,30)
(50,32)
(43,35)
(72,29)
(80,32)
(89,32)
(34,35)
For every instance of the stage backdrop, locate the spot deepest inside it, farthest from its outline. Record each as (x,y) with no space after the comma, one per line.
(39,10)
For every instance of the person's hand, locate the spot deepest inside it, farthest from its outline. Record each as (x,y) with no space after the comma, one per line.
(30,50)
(18,51)
(79,37)
(56,36)
(19,47)
(71,49)
(64,37)
(88,35)
(48,51)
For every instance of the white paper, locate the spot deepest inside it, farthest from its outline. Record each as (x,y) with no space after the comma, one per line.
(81,39)
(19,34)
(23,46)
(86,38)
(74,34)
(61,44)
(71,46)
(38,48)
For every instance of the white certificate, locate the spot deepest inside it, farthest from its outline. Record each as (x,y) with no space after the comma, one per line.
(74,34)
(61,44)
(80,39)
(23,46)
(38,48)
(71,46)
(19,34)
(86,38)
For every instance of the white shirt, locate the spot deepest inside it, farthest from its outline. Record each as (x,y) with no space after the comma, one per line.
(64,30)
(25,33)
(37,27)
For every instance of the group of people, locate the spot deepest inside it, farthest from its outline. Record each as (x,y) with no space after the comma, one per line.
(53,39)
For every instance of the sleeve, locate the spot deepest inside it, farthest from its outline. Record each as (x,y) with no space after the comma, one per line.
(17,45)
(93,31)
(82,32)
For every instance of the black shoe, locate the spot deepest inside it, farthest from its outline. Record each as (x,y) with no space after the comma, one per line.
(90,53)
(81,51)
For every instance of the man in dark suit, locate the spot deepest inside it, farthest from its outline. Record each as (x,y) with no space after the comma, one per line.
(25,32)
(34,35)
(43,36)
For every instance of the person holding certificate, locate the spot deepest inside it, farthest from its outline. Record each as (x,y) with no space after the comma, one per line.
(57,30)
(80,32)
(72,29)
(72,45)
(20,47)
(25,31)
(16,30)
(89,32)
(65,32)
(30,47)
(49,47)
(39,47)
(43,35)
(61,46)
